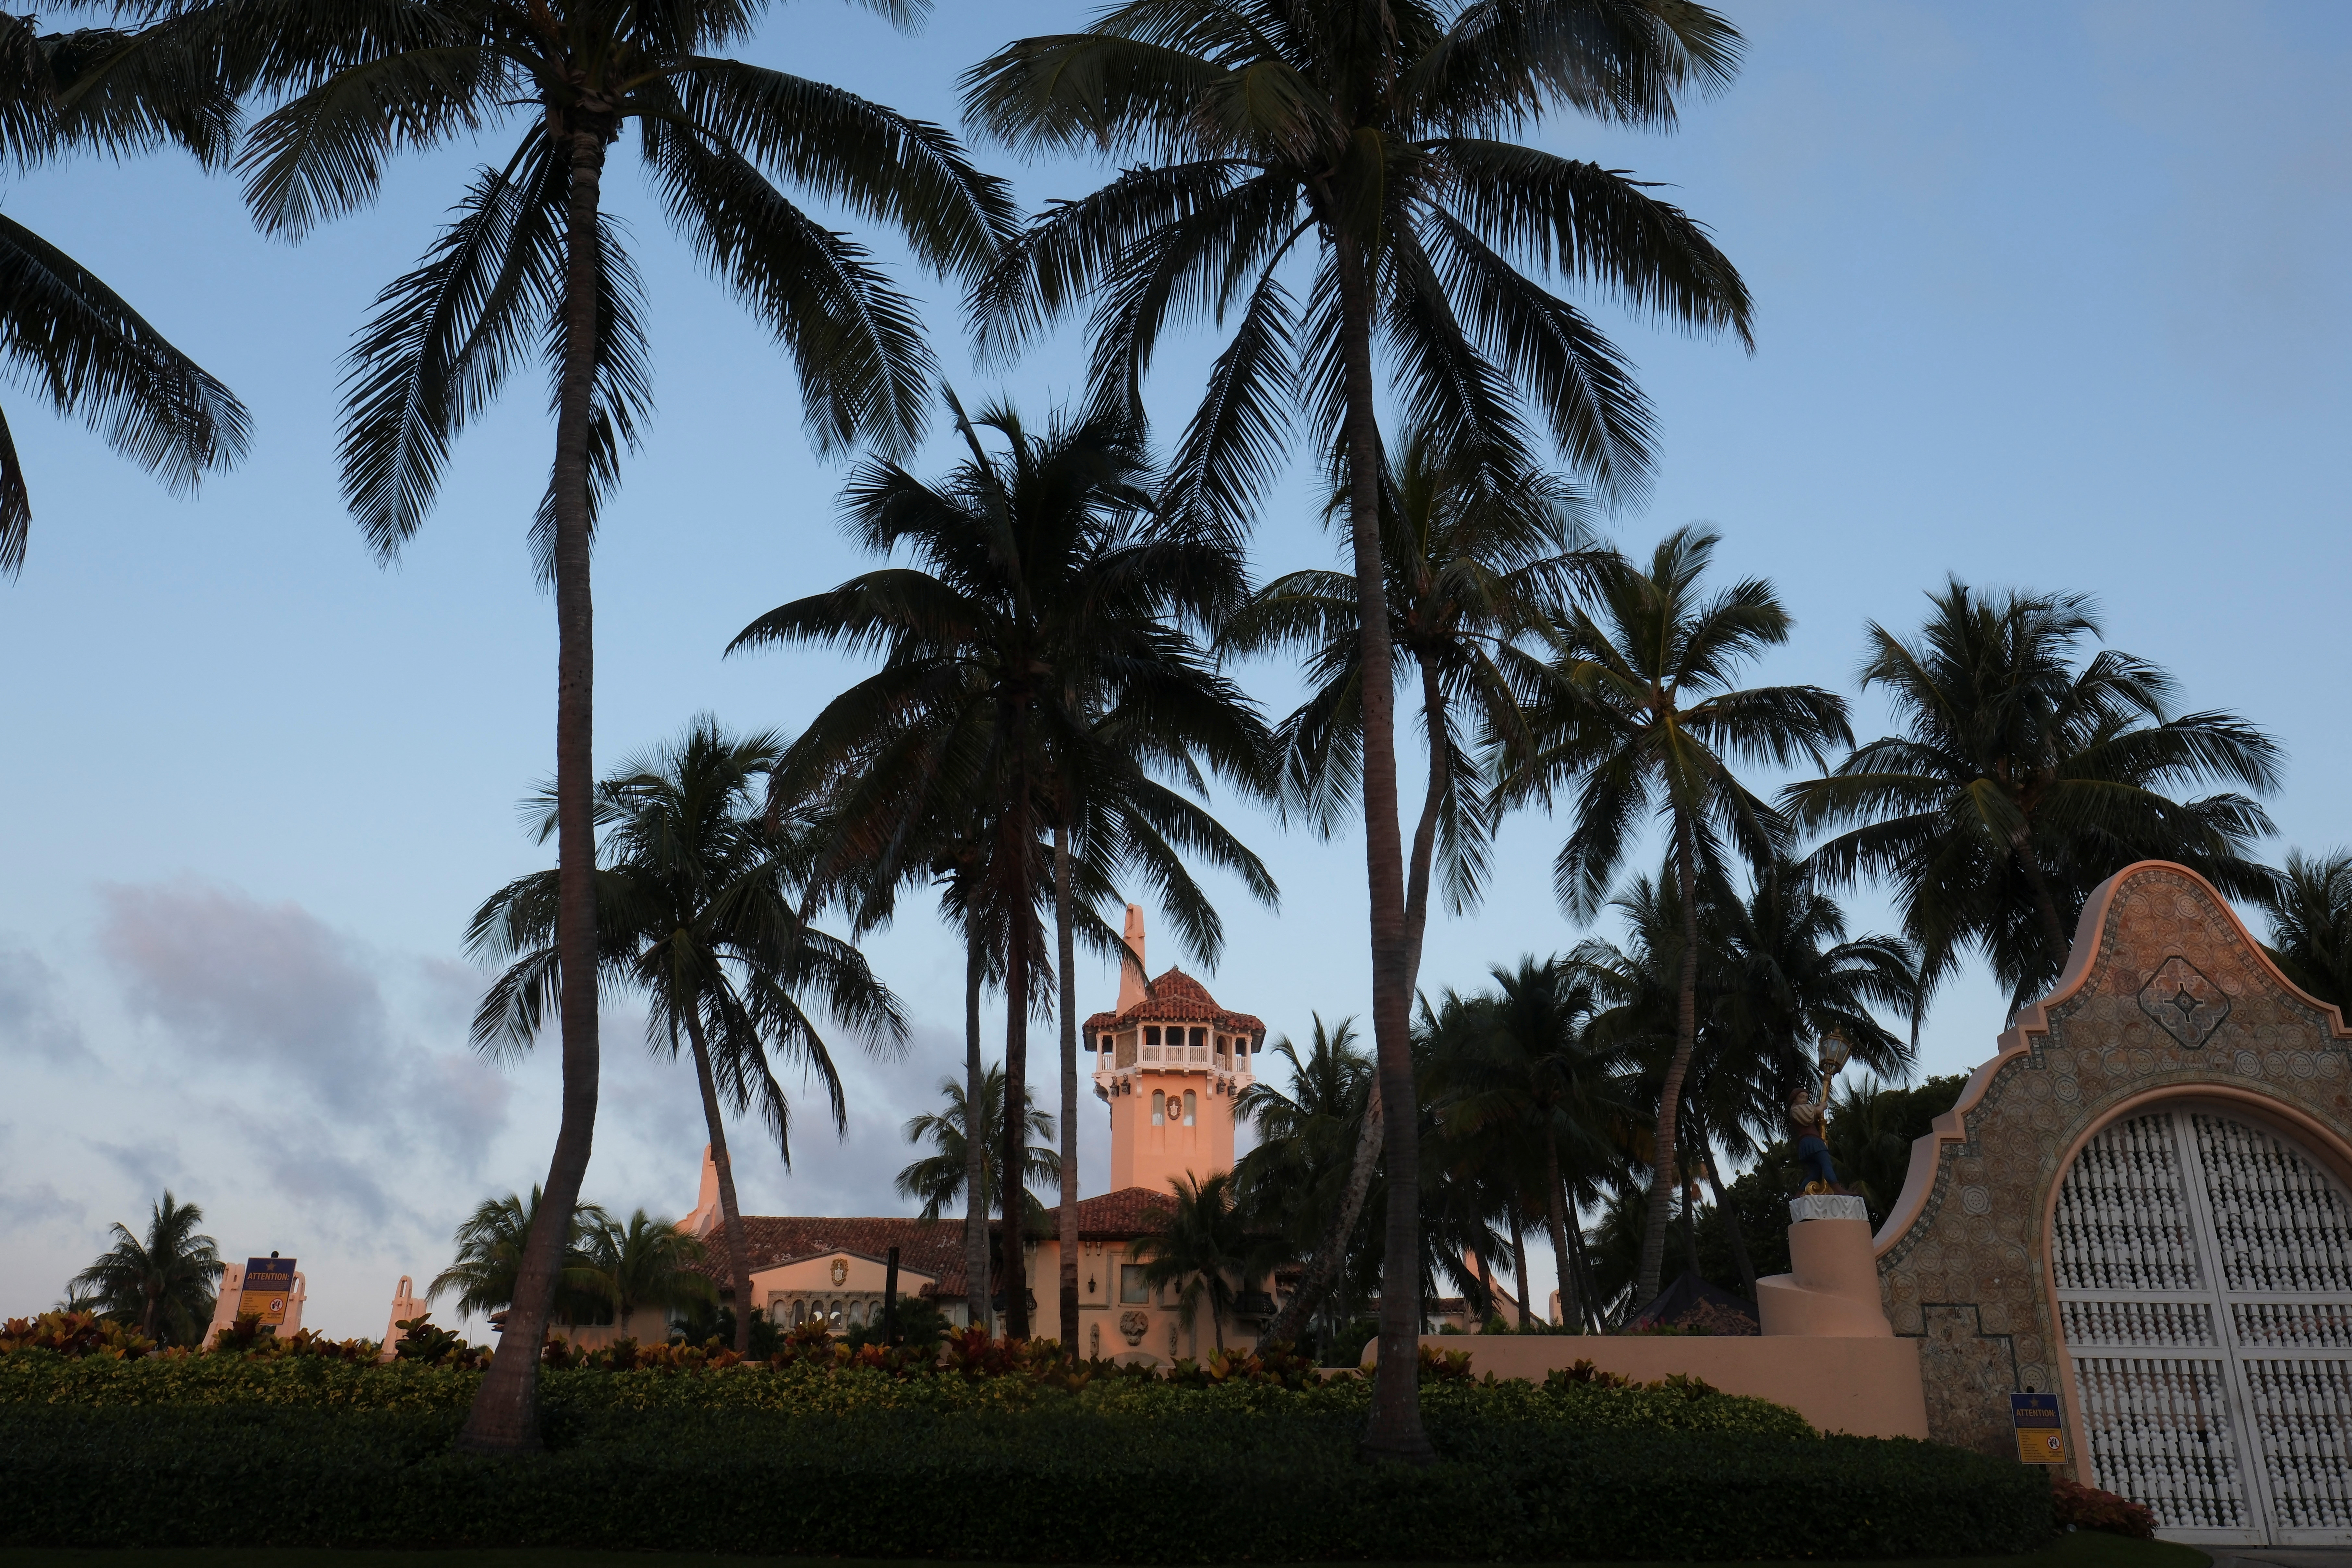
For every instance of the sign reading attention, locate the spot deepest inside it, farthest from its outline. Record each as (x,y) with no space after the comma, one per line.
(269,1285)
(2040,1440)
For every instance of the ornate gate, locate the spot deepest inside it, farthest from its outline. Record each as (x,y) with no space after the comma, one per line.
(2204,1276)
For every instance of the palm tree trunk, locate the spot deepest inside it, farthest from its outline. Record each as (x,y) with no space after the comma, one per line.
(1485,1281)
(2045,904)
(1663,1176)
(975,1138)
(1424,834)
(1520,1257)
(1011,1168)
(1589,1283)
(1069,1010)
(1731,1229)
(731,1212)
(1556,1217)
(1315,1279)
(505,1415)
(1395,1430)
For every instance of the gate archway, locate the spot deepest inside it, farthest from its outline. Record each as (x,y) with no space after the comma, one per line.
(2203,1274)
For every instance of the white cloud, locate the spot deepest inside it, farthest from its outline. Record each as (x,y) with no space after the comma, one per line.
(33,1021)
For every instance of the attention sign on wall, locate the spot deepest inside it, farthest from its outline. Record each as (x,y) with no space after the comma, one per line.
(2040,1440)
(269,1285)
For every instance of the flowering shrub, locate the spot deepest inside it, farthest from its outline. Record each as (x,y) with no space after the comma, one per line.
(74,1335)
(2074,1506)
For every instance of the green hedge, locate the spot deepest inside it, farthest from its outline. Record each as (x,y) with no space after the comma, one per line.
(39,1378)
(1189,1483)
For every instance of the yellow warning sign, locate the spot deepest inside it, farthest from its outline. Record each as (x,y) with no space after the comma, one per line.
(2040,1438)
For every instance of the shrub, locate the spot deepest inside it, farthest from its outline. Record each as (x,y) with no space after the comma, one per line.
(1037,1484)
(2074,1506)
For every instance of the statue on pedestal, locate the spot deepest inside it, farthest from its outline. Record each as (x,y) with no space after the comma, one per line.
(1809,1120)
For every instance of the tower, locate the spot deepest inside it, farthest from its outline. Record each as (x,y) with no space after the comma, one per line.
(1169,1063)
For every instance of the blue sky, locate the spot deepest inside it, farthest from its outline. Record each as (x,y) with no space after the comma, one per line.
(2049,295)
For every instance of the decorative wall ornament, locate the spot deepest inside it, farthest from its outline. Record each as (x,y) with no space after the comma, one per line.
(2140,1202)
(1133,1325)
(840,1272)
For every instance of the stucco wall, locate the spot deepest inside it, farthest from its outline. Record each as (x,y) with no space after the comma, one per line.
(1964,1260)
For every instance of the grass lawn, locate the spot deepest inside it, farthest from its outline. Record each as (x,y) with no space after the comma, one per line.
(2084,1549)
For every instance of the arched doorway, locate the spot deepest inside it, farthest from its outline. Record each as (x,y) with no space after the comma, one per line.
(2204,1267)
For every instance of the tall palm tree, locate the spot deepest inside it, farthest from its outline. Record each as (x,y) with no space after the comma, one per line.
(1640,719)
(1037,667)
(1206,1247)
(531,259)
(2021,782)
(1474,557)
(491,1243)
(701,910)
(78,344)
(2310,908)
(647,1263)
(1368,144)
(939,1179)
(164,1282)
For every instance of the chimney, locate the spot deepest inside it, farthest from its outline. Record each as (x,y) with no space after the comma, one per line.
(1130,971)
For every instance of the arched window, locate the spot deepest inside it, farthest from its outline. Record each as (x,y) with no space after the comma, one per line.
(1159,1108)
(1191,1107)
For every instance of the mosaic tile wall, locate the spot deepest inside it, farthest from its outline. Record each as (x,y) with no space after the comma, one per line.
(2177,995)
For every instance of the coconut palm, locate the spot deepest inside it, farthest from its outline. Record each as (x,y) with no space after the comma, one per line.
(1036,674)
(162,1282)
(1368,149)
(533,260)
(1641,720)
(1205,1247)
(939,1179)
(647,1263)
(2310,907)
(701,910)
(2021,781)
(1474,556)
(1301,1176)
(78,343)
(487,1268)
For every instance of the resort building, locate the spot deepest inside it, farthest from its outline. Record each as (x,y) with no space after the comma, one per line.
(1168,1064)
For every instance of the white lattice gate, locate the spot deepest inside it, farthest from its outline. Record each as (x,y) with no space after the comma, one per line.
(2204,1275)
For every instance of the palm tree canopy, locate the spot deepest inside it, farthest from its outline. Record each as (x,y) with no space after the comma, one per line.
(701,909)
(1386,128)
(163,1282)
(1207,1249)
(1295,1175)
(490,1259)
(719,140)
(2310,908)
(938,1179)
(62,331)
(1475,556)
(2022,780)
(647,1263)
(1640,713)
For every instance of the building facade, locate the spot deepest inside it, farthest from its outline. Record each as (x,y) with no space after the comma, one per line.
(1170,1064)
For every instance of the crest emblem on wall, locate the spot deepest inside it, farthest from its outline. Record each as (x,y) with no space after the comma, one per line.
(840,1272)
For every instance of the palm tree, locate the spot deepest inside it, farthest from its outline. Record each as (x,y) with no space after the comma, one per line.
(1473,557)
(939,1179)
(491,1248)
(1529,1063)
(75,340)
(1380,134)
(698,911)
(1302,1173)
(165,1281)
(533,260)
(2021,782)
(648,1263)
(1206,1248)
(1639,716)
(1036,675)
(2310,908)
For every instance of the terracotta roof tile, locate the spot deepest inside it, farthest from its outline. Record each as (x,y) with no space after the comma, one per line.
(1177,997)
